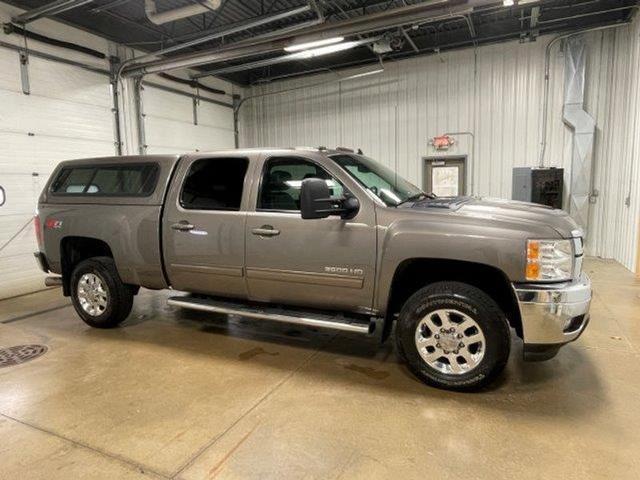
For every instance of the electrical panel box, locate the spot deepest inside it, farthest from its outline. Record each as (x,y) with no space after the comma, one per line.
(538,185)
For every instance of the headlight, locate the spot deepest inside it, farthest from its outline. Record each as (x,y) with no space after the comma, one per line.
(550,260)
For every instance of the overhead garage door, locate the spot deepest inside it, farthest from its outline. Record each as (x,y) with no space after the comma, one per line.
(67,115)
(171,126)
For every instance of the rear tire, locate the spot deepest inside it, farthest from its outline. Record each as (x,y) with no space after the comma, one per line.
(99,296)
(453,336)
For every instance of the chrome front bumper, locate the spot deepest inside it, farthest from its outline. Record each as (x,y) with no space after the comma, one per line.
(553,315)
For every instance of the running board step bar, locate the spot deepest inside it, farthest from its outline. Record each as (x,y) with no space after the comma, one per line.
(300,317)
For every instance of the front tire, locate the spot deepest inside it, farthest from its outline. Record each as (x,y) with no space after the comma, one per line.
(99,296)
(453,336)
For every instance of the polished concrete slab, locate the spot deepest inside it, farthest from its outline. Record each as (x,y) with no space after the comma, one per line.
(179,394)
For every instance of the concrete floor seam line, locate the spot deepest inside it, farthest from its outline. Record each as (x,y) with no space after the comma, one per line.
(20,295)
(262,399)
(29,315)
(130,463)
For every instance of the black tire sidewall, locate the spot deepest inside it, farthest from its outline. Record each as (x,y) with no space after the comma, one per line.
(470,301)
(108,318)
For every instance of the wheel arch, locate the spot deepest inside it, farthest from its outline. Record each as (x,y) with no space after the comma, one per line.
(75,249)
(415,273)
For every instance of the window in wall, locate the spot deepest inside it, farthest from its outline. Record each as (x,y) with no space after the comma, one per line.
(282,181)
(214,184)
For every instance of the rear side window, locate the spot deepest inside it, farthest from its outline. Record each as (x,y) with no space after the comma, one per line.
(214,184)
(107,180)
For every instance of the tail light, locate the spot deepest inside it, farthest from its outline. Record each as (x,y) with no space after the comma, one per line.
(37,225)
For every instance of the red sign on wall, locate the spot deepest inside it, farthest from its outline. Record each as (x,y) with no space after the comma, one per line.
(442,142)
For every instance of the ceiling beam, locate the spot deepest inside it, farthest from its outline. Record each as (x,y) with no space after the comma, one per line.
(422,12)
(48,10)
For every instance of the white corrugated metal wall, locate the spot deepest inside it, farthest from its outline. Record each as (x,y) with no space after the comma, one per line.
(613,98)
(496,93)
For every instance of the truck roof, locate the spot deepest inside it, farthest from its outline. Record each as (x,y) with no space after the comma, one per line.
(166,164)
(170,159)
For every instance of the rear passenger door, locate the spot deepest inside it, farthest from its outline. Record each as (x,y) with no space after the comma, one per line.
(204,224)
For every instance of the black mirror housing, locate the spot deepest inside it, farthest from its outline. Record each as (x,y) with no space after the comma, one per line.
(315,201)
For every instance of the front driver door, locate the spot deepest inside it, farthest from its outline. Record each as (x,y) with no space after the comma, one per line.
(327,263)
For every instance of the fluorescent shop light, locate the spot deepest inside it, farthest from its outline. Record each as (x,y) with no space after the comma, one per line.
(317,43)
(317,52)
(364,74)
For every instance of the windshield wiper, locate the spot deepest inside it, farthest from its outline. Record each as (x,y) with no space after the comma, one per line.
(417,196)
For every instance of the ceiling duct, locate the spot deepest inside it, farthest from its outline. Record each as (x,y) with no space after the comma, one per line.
(160,18)
(427,11)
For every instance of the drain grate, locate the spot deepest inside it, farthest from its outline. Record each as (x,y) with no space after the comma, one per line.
(20,354)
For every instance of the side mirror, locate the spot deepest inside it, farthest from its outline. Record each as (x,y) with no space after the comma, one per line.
(316,201)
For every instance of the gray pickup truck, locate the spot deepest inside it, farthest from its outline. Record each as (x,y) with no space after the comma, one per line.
(318,237)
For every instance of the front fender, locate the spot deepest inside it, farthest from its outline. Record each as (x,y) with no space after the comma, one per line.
(406,239)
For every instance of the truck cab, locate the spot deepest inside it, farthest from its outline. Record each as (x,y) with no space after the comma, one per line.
(327,238)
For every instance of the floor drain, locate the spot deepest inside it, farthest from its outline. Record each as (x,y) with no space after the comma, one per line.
(20,354)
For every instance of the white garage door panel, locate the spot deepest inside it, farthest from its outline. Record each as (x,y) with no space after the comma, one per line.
(158,103)
(20,190)
(20,273)
(185,137)
(54,80)
(169,126)
(69,83)
(213,115)
(9,70)
(40,154)
(52,117)
(67,115)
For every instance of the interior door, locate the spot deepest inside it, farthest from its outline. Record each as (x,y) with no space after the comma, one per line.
(327,263)
(204,226)
(445,176)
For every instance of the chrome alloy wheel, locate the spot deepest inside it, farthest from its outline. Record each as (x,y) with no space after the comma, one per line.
(450,341)
(92,295)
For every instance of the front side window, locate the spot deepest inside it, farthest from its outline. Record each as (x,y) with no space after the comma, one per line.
(282,182)
(214,184)
(384,183)
(107,180)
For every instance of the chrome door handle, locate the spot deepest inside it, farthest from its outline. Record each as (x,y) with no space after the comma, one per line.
(183,226)
(265,231)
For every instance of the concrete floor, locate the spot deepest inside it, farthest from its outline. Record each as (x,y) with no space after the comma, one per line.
(174,394)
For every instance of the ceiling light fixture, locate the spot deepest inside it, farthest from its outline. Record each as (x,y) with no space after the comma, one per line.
(317,52)
(363,74)
(317,43)
(507,3)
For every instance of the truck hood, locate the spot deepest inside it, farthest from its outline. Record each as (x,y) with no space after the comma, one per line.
(503,210)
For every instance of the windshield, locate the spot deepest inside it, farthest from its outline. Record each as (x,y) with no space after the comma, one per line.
(383,182)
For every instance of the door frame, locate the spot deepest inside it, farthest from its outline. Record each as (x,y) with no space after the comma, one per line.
(424,167)
(328,273)
(233,274)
